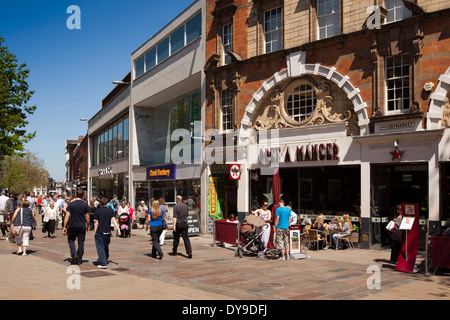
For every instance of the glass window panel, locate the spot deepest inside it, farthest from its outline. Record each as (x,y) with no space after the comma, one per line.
(120,154)
(150,59)
(114,143)
(125,137)
(139,66)
(103,147)
(163,50)
(194,28)
(110,149)
(177,40)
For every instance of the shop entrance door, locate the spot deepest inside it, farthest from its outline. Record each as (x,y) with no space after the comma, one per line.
(165,190)
(391,185)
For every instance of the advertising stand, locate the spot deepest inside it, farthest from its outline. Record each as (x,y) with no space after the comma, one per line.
(295,248)
(410,237)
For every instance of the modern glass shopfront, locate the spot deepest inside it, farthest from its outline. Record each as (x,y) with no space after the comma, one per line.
(109,185)
(332,190)
(391,185)
(168,190)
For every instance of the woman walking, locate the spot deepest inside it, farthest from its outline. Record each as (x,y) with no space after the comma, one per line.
(21,222)
(142,210)
(162,204)
(156,215)
(50,213)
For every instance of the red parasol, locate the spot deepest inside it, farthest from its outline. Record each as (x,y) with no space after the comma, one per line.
(276,199)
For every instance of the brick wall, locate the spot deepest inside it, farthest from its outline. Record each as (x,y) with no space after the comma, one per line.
(350,53)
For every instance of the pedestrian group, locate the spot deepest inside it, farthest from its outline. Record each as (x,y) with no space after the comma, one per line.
(76,217)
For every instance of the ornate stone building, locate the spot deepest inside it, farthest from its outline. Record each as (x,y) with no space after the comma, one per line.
(350,99)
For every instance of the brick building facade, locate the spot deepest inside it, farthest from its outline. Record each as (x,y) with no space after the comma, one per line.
(350,75)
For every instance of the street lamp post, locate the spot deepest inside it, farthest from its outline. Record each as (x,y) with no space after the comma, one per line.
(88,191)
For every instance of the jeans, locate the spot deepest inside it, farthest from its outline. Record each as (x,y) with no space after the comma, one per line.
(102,242)
(337,242)
(155,233)
(182,230)
(72,235)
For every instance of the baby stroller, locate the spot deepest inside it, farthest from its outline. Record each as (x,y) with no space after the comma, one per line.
(250,238)
(124,220)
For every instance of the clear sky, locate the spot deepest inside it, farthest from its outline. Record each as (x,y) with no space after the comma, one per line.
(71,70)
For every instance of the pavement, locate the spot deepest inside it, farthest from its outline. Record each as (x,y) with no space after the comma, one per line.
(214,274)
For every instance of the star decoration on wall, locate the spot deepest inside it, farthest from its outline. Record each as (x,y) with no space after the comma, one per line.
(269,197)
(397,154)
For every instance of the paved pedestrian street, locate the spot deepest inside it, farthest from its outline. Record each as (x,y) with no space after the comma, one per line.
(214,273)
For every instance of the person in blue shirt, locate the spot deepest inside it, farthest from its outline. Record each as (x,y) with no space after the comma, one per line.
(156,216)
(282,222)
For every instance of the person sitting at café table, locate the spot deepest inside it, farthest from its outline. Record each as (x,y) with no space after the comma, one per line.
(346,229)
(232,218)
(322,228)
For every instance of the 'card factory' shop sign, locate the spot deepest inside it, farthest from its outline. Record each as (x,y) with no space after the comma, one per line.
(309,152)
(161,172)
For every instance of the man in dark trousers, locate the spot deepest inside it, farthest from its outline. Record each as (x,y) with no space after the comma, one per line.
(102,219)
(76,225)
(180,227)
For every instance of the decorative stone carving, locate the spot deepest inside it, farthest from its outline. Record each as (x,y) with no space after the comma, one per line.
(271,117)
(445,123)
(331,106)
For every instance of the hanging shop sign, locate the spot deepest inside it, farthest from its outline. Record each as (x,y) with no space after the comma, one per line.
(235,172)
(303,153)
(165,172)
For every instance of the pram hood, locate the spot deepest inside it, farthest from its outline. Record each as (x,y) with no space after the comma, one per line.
(255,220)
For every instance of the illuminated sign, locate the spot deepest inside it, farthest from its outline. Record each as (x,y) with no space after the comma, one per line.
(161,172)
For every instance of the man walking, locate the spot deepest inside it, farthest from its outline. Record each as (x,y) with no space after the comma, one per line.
(102,228)
(76,225)
(180,227)
(6,209)
(282,222)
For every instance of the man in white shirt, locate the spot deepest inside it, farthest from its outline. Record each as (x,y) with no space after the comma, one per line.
(6,208)
(293,216)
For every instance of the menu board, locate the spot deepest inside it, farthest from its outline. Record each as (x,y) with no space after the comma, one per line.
(407,223)
(193,223)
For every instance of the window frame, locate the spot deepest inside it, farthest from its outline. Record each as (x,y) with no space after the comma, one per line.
(271,32)
(394,78)
(335,16)
(396,6)
(229,98)
(226,59)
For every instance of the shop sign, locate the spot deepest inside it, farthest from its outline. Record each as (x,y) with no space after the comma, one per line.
(161,172)
(105,173)
(235,172)
(397,126)
(309,152)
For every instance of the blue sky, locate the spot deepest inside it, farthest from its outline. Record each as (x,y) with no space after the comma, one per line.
(71,70)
